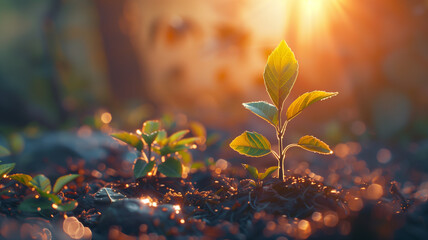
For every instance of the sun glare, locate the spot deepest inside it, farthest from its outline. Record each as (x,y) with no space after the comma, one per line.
(302,22)
(311,20)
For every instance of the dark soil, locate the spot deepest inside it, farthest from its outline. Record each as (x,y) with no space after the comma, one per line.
(211,206)
(206,205)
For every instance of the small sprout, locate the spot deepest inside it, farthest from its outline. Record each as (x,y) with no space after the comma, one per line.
(46,198)
(258,177)
(279,77)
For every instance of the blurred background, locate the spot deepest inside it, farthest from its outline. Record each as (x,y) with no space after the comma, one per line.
(98,64)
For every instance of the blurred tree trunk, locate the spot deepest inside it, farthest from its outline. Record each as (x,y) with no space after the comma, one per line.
(125,76)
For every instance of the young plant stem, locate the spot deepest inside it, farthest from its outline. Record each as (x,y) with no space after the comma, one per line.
(280,130)
(149,155)
(280,134)
(281,158)
(288,147)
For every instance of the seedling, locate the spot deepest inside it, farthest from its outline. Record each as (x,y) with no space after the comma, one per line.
(258,177)
(153,139)
(279,77)
(47,197)
(7,167)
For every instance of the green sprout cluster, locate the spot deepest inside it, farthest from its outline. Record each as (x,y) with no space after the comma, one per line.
(158,152)
(47,197)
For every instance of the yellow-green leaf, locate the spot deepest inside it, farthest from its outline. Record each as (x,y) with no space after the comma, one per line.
(268,172)
(313,144)
(150,131)
(22,178)
(51,197)
(177,136)
(199,131)
(252,170)
(149,138)
(64,180)
(264,110)
(280,73)
(41,183)
(251,144)
(130,139)
(151,126)
(6,168)
(186,141)
(305,100)
(161,138)
(185,157)
(168,149)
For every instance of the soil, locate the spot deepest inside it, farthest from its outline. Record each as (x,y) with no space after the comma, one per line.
(207,205)
(210,206)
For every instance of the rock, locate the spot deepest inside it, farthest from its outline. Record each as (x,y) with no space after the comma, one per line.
(108,195)
(132,216)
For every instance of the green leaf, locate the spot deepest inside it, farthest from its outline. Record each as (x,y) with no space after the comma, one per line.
(171,168)
(151,126)
(268,172)
(130,139)
(280,73)
(142,167)
(67,207)
(4,151)
(197,165)
(251,144)
(313,144)
(51,197)
(264,110)
(62,181)
(161,138)
(22,178)
(186,141)
(199,131)
(35,205)
(41,183)
(306,100)
(172,149)
(252,182)
(177,136)
(149,138)
(6,168)
(185,157)
(252,170)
